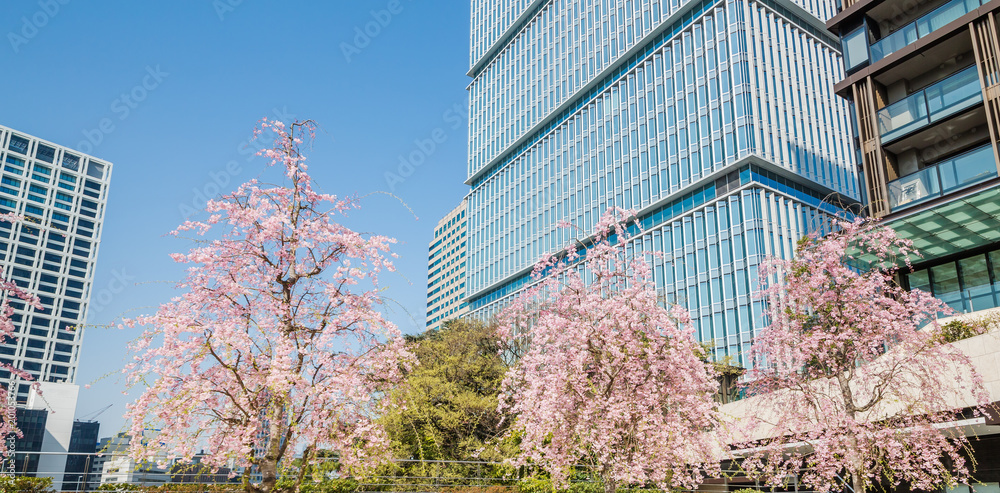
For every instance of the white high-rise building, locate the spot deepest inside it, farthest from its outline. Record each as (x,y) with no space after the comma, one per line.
(62,194)
(51,253)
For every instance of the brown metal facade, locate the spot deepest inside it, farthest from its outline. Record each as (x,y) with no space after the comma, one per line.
(986,46)
(874,160)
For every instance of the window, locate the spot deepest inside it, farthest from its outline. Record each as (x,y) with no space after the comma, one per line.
(970,284)
(70,161)
(45,153)
(18,144)
(95,170)
(856,48)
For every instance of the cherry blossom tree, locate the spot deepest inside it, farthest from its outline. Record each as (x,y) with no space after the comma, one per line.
(610,379)
(849,387)
(276,345)
(8,289)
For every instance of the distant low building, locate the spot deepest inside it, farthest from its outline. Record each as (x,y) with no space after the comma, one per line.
(118,467)
(446,269)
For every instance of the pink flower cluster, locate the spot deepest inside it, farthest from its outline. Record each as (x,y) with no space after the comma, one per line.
(610,376)
(851,378)
(277,342)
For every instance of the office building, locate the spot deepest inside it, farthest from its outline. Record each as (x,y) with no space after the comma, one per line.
(83,450)
(715,119)
(62,195)
(31,422)
(446,260)
(923,78)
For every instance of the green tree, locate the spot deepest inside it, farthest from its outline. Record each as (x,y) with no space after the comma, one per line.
(446,407)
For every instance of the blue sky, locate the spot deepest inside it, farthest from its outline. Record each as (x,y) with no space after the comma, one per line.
(170,92)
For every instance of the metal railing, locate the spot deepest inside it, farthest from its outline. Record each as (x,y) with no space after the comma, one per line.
(933,103)
(947,176)
(924,25)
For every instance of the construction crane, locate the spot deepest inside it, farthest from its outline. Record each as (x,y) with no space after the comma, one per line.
(93,416)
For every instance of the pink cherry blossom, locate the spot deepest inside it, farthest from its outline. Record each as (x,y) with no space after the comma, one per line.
(610,379)
(276,344)
(845,377)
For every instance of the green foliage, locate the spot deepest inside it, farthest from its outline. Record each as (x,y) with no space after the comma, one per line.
(746,490)
(544,485)
(22,484)
(446,407)
(119,487)
(479,489)
(964,328)
(338,485)
(173,488)
(956,330)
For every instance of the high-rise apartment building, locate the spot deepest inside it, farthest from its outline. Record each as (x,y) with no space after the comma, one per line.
(62,195)
(446,263)
(715,119)
(924,78)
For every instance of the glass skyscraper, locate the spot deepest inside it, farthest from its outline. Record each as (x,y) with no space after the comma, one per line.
(62,195)
(715,119)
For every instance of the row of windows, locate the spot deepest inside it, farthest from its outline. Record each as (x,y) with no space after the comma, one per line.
(56,243)
(52,155)
(650,218)
(649,136)
(43,174)
(451,223)
(710,259)
(563,48)
(801,124)
(966,285)
(490,19)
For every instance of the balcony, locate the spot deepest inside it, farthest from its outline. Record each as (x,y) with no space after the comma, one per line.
(931,104)
(924,25)
(945,177)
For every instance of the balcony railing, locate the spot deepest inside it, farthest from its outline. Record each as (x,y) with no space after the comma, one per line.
(924,25)
(935,102)
(959,172)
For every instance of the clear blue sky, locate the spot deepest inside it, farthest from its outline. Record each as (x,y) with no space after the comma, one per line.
(210,74)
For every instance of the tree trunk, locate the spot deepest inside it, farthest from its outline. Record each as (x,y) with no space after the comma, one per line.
(269,475)
(609,485)
(859,484)
(272,456)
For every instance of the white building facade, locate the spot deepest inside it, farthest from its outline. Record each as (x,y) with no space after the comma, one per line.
(51,253)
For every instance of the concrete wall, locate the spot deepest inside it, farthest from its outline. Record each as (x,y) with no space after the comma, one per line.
(60,400)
